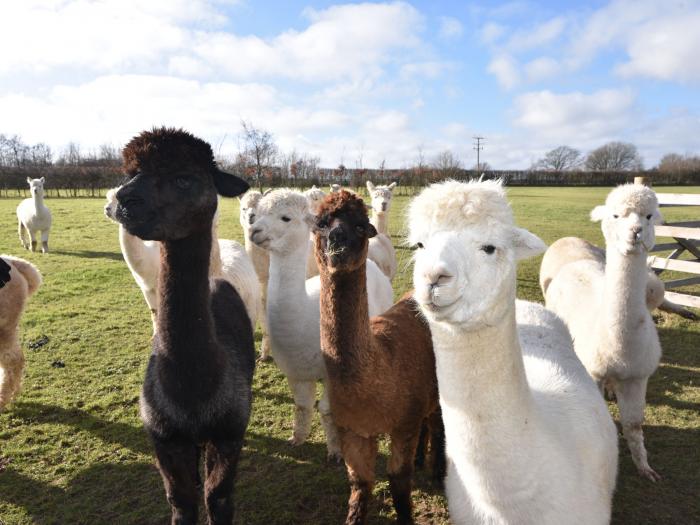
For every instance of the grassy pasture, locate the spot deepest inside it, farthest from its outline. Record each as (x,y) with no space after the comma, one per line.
(72,449)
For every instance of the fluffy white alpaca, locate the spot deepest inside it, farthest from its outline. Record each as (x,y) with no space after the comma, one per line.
(529,438)
(380,250)
(24,279)
(261,262)
(314,196)
(604,305)
(282,226)
(229,261)
(33,216)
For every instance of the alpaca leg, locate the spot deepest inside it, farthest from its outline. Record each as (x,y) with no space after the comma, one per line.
(265,344)
(45,242)
(437,447)
(32,236)
(422,447)
(631,399)
(332,439)
(20,232)
(400,470)
(221,465)
(11,368)
(304,393)
(177,462)
(360,455)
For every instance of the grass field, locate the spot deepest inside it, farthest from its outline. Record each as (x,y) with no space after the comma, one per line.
(72,449)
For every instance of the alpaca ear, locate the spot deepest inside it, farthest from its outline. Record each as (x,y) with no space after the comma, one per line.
(228,185)
(42,179)
(527,244)
(599,213)
(269,190)
(29,180)
(392,185)
(370,186)
(314,187)
(371,230)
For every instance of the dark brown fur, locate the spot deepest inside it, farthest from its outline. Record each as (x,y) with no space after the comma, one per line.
(197,390)
(381,372)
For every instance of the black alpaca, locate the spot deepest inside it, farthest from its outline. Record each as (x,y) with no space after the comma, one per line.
(197,390)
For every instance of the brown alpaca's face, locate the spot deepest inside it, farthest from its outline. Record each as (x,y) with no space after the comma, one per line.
(167,206)
(343,238)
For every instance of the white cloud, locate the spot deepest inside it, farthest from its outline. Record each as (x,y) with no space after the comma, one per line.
(492,32)
(450,27)
(541,68)
(537,36)
(505,70)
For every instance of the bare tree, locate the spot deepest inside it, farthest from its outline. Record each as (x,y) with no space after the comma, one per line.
(614,156)
(679,164)
(482,167)
(71,155)
(259,150)
(447,163)
(563,158)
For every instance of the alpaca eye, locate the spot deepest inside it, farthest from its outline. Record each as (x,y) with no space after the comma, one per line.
(419,245)
(488,248)
(360,229)
(183,183)
(285,218)
(616,216)
(649,217)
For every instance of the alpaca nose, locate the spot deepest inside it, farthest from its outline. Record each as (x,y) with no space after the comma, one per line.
(337,235)
(438,277)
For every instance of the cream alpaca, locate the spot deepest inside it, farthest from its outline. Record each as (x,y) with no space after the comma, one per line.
(605,308)
(33,217)
(228,261)
(282,226)
(529,439)
(24,281)
(380,249)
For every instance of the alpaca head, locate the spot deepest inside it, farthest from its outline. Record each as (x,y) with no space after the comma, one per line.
(315,196)
(467,246)
(628,217)
(13,296)
(248,205)
(282,221)
(335,188)
(36,186)
(172,185)
(343,231)
(111,204)
(381,196)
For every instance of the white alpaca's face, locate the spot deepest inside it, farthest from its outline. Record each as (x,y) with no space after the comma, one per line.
(283,227)
(111,205)
(381,197)
(248,208)
(629,229)
(36,186)
(467,278)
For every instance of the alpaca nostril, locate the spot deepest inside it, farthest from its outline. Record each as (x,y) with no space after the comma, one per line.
(439,278)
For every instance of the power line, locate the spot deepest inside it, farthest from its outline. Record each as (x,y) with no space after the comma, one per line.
(478,147)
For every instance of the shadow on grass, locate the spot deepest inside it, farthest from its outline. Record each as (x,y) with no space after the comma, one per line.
(133,438)
(87,254)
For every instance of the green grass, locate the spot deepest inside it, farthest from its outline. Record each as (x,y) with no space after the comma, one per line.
(72,449)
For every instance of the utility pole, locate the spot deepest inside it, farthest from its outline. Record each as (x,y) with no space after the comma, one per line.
(478,147)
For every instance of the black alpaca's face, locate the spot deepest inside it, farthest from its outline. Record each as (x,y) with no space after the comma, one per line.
(167,206)
(343,239)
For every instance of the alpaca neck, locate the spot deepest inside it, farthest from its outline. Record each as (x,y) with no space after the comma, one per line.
(624,295)
(184,316)
(485,397)
(38,198)
(345,331)
(286,283)
(380,220)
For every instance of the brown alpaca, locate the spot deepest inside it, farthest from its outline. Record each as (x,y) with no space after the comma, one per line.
(381,371)
(197,390)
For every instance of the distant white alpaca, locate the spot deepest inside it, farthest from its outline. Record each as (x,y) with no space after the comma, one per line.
(314,195)
(33,216)
(334,188)
(229,261)
(261,262)
(604,305)
(282,226)
(529,438)
(380,250)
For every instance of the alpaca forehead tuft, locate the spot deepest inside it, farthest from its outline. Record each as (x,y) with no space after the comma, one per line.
(382,191)
(167,151)
(454,206)
(627,198)
(345,202)
(251,199)
(284,200)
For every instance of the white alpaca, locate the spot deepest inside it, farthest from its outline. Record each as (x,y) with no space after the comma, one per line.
(282,226)
(335,188)
(228,261)
(314,196)
(604,305)
(33,216)
(380,250)
(529,439)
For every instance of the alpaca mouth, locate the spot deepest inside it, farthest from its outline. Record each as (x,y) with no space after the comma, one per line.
(262,243)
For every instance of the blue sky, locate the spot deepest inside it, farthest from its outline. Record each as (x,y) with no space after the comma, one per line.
(358,83)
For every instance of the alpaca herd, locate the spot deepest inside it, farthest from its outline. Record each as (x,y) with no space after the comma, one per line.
(510,393)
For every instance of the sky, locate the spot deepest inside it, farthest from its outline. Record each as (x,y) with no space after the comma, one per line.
(357,83)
